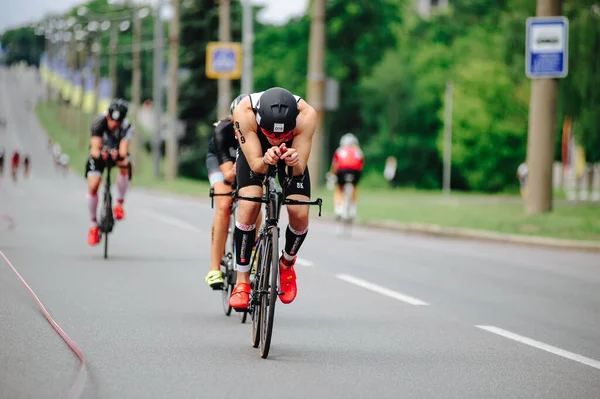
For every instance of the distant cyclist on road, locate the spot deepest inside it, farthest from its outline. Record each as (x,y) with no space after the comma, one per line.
(14,165)
(273,127)
(522,173)
(111,135)
(56,151)
(347,165)
(2,152)
(26,165)
(64,162)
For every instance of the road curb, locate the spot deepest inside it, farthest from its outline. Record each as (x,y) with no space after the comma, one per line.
(436,230)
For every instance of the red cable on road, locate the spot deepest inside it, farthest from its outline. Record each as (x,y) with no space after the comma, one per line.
(77,388)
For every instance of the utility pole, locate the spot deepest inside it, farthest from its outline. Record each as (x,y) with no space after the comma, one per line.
(96,50)
(224,37)
(316,87)
(172,144)
(49,64)
(81,136)
(157,88)
(448,136)
(541,131)
(247,45)
(136,85)
(114,39)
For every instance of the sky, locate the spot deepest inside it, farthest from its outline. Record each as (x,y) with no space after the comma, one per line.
(17,12)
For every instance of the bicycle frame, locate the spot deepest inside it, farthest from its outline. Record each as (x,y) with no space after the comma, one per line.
(107,219)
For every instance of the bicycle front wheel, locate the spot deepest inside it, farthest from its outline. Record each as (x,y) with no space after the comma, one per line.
(269,298)
(263,255)
(107,220)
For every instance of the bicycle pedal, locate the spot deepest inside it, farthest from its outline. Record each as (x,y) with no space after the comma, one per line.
(217,287)
(240,310)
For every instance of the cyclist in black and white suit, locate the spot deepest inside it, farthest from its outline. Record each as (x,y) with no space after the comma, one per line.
(111,135)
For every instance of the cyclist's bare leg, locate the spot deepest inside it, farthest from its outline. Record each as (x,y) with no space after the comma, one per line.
(298,214)
(220,224)
(298,226)
(122,183)
(92,197)
(338,199)
(247,213)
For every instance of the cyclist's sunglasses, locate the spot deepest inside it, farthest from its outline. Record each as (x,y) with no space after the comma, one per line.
(282,136)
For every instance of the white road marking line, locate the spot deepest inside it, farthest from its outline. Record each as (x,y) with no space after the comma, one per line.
(177,201)
(180,223)
(540,345)
(170,220)
(381,290)
(304,262)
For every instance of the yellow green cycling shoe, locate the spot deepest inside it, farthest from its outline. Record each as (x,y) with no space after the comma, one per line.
(214,279)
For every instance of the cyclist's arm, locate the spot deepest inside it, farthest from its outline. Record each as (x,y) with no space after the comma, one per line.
(245,126)
(305,130)
(362,160)
(228,169)
(223,138)
(124,144)
(123,149)
(95,146)
(334,163)
(95,141)
(223,130)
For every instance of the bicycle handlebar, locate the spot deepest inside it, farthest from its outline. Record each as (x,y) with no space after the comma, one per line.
(271,172)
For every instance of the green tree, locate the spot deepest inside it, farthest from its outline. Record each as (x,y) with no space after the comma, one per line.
(22,44)
(579,96)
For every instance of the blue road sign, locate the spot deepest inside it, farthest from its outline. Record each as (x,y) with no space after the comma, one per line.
(223,60)
(547,44)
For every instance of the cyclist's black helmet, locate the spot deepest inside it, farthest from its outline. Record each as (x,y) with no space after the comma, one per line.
(276,111)
(118,110)
(235,102)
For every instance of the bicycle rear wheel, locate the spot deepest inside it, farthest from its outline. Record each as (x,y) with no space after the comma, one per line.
(228,269)
(271,292)
(347,218)
(227,287)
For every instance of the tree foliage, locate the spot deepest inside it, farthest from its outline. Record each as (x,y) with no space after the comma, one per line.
(392,66)
(579,92)
(22,45)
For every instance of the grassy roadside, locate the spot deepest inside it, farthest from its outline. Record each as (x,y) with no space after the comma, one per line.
(501,213)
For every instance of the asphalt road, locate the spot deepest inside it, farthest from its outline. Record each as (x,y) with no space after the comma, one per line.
(381,314)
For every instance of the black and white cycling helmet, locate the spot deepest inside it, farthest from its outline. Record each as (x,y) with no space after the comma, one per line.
(235,102)
(118,110)
(276,111)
